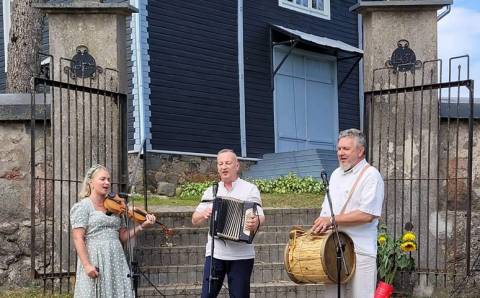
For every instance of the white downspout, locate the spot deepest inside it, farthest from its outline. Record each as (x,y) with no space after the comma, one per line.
(241,78)
(444,13)
(139,76)
(361,89)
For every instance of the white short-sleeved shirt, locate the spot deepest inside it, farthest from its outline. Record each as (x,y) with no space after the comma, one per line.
(367,197)
(225,249)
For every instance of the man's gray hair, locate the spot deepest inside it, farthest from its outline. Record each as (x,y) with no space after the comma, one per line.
(354,133)
(227,150)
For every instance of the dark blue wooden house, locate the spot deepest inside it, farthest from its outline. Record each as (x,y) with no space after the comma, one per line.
(260,77)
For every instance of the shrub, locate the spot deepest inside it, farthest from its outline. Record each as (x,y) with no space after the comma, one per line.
(193,189)
(290,183)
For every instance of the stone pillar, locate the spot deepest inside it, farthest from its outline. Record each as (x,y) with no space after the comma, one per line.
(85,125)
(101,27)
(387,22)
(403,128)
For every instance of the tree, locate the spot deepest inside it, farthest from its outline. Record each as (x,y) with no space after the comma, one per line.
(24,44)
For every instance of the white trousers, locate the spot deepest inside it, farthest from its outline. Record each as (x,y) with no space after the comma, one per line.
(363,282)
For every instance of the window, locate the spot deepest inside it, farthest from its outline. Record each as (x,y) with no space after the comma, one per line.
(319,8)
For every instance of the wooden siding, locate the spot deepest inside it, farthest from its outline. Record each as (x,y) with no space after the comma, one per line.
(258,94)
(194,72)
(194,75)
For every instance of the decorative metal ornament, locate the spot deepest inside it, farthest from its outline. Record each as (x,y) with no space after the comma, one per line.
(82,65)
(403,58)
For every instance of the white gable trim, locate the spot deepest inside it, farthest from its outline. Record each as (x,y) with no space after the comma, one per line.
(141,76)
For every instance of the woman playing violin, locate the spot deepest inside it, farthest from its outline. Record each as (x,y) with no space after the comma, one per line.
(102,269)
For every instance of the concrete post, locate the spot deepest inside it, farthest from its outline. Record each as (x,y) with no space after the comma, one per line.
(404,127)
(85,126)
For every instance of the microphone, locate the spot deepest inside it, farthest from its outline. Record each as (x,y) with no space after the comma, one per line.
(215,189)
(324,177)
(122,195)
(214,192)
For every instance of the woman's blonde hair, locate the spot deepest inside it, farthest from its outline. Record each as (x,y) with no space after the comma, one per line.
(85,190)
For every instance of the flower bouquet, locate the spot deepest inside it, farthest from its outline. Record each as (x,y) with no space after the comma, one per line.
(392,256)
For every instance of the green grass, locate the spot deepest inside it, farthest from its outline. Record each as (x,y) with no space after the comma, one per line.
(268,200)
(31,293)
(154,200)
(305,200)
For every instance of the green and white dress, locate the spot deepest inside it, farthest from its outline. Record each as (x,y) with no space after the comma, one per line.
(104,251)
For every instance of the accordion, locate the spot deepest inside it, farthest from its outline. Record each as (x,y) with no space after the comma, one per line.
(229,219)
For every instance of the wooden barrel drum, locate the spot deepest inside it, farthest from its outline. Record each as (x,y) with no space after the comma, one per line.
(312,258)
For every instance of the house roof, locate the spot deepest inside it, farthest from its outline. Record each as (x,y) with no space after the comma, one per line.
(316,40)
(395,4)
(459,108)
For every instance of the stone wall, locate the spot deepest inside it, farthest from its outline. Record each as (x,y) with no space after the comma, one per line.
(454,193)
(15,189)
(175,170)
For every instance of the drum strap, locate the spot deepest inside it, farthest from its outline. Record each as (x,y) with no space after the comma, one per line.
(352,190)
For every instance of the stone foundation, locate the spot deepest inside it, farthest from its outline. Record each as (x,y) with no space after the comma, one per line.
(174,169)
(15,187)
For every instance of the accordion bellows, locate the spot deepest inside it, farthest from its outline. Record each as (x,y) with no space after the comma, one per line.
(230,216)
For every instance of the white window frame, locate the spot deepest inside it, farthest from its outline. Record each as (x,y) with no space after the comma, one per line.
(325,14)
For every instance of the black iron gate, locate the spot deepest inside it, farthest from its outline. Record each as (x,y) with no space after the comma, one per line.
(420,134)
(78,120)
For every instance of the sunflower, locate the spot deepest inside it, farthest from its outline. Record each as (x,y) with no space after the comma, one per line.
(408,246)
(382,239)
(409,236)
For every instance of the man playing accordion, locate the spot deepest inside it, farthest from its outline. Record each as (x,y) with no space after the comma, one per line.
(234,259)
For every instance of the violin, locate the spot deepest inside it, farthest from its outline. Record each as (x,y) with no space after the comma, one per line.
(116,205)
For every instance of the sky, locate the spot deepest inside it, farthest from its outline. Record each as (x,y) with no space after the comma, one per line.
(459,34)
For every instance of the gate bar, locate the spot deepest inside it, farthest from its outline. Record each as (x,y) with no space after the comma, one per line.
(466,83)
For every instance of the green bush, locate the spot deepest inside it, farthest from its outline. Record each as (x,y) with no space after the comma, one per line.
(193,189)
(290,183)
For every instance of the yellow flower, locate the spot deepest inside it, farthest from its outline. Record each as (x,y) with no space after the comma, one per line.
(382,239)
(409,236)
(408,246)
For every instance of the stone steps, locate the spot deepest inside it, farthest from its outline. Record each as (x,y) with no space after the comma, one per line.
(198,236)
(175,264)
(276,217)
(281,289)
(192,274)
(181,255)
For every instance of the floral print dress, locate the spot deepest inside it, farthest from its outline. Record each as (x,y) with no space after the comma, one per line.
(104,251)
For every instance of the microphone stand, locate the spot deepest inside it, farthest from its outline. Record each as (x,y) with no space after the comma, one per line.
(213,227)
(338,243)
(135,271)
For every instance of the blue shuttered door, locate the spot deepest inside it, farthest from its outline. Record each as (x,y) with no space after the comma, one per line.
(306,102)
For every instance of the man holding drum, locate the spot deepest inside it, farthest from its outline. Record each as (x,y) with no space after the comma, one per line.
(234,259)
(357,191)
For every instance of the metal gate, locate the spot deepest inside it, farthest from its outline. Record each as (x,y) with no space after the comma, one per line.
(420,135)
(77,120)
